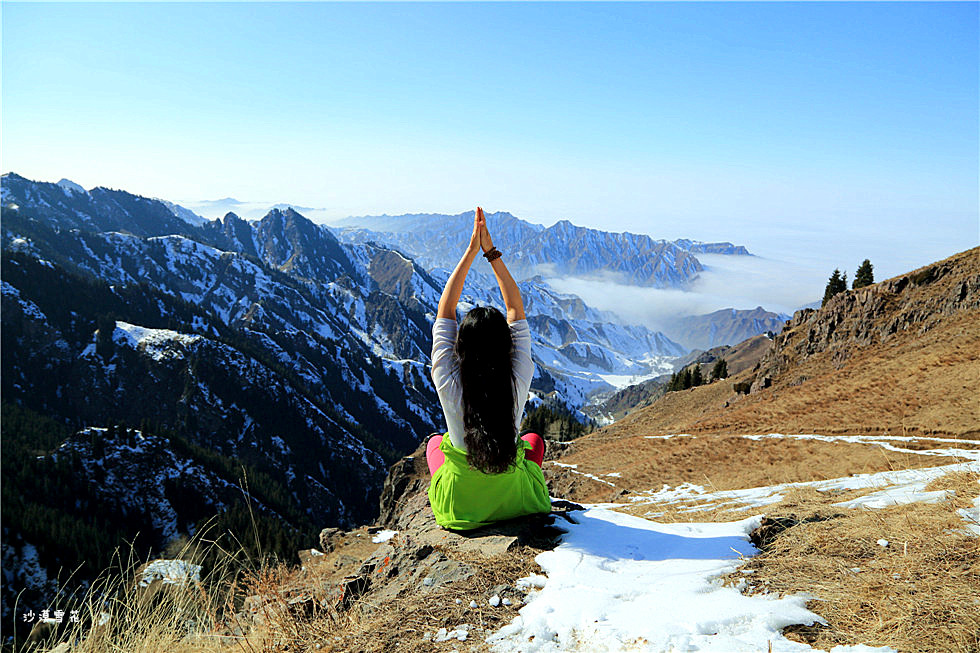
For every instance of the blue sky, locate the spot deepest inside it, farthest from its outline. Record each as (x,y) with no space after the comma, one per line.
(817,133)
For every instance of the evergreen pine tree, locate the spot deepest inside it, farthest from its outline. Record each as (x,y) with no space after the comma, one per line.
(720,370)
(104,346)
(685,378)
(865,275)
(836,284)
(697,378)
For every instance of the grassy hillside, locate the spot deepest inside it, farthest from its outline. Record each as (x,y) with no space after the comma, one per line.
(900,356)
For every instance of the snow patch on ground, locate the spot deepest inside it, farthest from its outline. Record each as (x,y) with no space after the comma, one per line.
(898,487)
(29,308)
(383,536)
(572,469)
(972,517)
(618,582)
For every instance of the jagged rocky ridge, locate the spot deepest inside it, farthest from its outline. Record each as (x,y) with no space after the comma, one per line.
(268,345)
(917,301)
(561,249)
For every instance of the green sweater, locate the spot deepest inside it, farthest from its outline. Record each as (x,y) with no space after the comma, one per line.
(464,498)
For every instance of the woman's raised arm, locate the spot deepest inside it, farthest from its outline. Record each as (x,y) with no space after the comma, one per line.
(508,287)
(454,286)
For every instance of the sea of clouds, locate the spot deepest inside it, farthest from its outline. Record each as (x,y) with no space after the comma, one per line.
(741,282)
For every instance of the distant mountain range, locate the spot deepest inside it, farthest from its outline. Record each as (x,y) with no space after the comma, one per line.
(213,209)
(434,240)
(269,349)
(537,252)
(727,326)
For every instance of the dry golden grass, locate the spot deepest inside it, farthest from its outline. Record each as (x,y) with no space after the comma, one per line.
(915,384)
(719,462)
(117,614)
(207,617)
(918,380)
(920,593)
(794,499)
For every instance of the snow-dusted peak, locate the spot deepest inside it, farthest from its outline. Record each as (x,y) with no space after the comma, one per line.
(183,213)
(160,344)
(71,187)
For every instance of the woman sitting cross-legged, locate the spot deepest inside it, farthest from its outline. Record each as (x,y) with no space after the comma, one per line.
(481,471)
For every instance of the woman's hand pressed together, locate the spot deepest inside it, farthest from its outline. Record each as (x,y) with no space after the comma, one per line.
(454,285)
(479,226)
(485,241)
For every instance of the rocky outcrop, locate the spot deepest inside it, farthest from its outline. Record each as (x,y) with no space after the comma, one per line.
(915,302)
(407,479)
(404,554)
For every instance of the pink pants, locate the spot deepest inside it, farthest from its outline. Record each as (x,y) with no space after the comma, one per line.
(436,458)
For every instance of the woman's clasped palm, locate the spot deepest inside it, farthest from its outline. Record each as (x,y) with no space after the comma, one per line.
(485,241)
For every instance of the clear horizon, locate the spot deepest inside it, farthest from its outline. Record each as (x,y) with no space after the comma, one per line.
(816,134)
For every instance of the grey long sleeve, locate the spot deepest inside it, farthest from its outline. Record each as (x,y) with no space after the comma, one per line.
(445,373)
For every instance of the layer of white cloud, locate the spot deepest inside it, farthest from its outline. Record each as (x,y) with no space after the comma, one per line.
(741,282)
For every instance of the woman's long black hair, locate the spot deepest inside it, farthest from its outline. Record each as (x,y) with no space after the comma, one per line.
(484,347)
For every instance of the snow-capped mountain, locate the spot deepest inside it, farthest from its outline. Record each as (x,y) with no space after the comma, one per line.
(183,213)
(69,185)
(346,323)
(100,209)
(268,345)
(561,249)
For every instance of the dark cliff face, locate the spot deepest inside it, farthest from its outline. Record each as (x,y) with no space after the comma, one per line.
(232,234)
(914,302)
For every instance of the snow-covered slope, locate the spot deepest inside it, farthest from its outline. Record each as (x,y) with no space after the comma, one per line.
(624,582)
(184,213)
